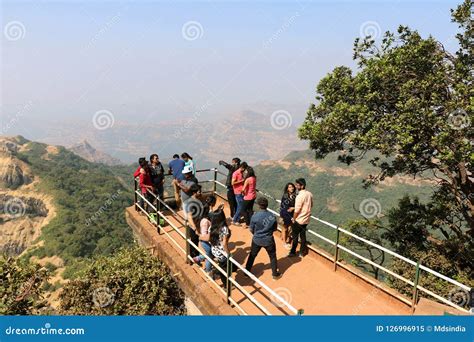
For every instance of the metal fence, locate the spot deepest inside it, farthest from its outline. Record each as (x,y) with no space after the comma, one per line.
(414,283)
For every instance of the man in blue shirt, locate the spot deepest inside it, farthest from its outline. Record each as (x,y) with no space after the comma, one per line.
(176,167)
(262,225)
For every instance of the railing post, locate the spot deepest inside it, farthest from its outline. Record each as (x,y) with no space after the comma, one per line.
(135,197)
(188,237)
(228,284)
(300,312)
(158,217)
(415,287)
(336,252)
(215,180)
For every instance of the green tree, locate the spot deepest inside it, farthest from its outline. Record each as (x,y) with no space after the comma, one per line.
(21,287)
(412,101)
(132,282)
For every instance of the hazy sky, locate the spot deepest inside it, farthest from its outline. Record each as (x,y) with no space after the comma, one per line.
(69,59)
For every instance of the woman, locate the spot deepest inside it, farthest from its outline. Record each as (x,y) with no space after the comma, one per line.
(145,184)
(195,208)
(188,160)
(219,241)
(205,233)
(250,193)
(287,208)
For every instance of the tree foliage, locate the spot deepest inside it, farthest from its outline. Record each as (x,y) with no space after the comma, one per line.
(132,282)
(21,287)
(412,101)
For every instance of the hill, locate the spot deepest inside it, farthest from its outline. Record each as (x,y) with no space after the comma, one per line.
(89,153)
(59,209)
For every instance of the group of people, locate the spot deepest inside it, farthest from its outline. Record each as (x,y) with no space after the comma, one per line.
(209,225)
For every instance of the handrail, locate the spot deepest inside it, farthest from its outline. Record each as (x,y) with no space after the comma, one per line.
(411,262)
(216,266)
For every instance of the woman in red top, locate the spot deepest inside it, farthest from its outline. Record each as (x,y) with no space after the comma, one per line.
(249,191)
(143,172)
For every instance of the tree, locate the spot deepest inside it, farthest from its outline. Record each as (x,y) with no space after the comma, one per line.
(21,287)
(130,283)
(412,101)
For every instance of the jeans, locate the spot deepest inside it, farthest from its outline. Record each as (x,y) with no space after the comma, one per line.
(231,200)
(247,207)
(298,231)
(207,248)
(271,251)
(193,252)
(144,204)
(238,212)
(159,191)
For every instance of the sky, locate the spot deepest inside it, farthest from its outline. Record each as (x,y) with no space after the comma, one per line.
(70,59)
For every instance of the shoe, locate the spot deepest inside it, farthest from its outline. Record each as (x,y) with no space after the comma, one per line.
(197,260)
(287,246)
(236,224)
(276,276)
(292,255)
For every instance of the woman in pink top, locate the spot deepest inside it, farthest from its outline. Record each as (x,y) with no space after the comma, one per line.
(249,191)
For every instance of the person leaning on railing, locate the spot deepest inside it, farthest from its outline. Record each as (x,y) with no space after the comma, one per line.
(157,174)
(228,183)
(262,226)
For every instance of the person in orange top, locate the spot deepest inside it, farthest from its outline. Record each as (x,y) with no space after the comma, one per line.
(301,217)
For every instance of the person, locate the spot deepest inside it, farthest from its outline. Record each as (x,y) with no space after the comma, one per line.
(188,161)
(230,190)
(237,185)
(301,217)
(145,184)
(157,174)
(204,233)
(176,167)
(262,226)
(287,207)
(219,240)
(249,191)
(185,187)
(194,207)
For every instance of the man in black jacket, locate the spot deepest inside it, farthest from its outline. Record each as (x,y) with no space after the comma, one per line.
(230,191)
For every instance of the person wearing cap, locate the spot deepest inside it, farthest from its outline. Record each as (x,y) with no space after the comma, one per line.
(301,216)
(185,187)
(262,225)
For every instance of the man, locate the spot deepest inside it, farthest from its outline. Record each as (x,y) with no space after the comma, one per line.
(301,216)
(186,188)
(157,174)
(176,167)
(230,190)
(262,225)
(237,186)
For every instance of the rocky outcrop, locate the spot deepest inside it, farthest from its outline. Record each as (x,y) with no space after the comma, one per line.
(86,151)
(13,172)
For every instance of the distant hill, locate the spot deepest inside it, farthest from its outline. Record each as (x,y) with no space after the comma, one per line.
(89,153)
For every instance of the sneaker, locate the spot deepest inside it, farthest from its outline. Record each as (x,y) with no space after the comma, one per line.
(276,276)
(236,224)
(291,255)
(287,246)
(197,260)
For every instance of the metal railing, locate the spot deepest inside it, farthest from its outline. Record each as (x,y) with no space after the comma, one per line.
(338,246)
(230,281)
